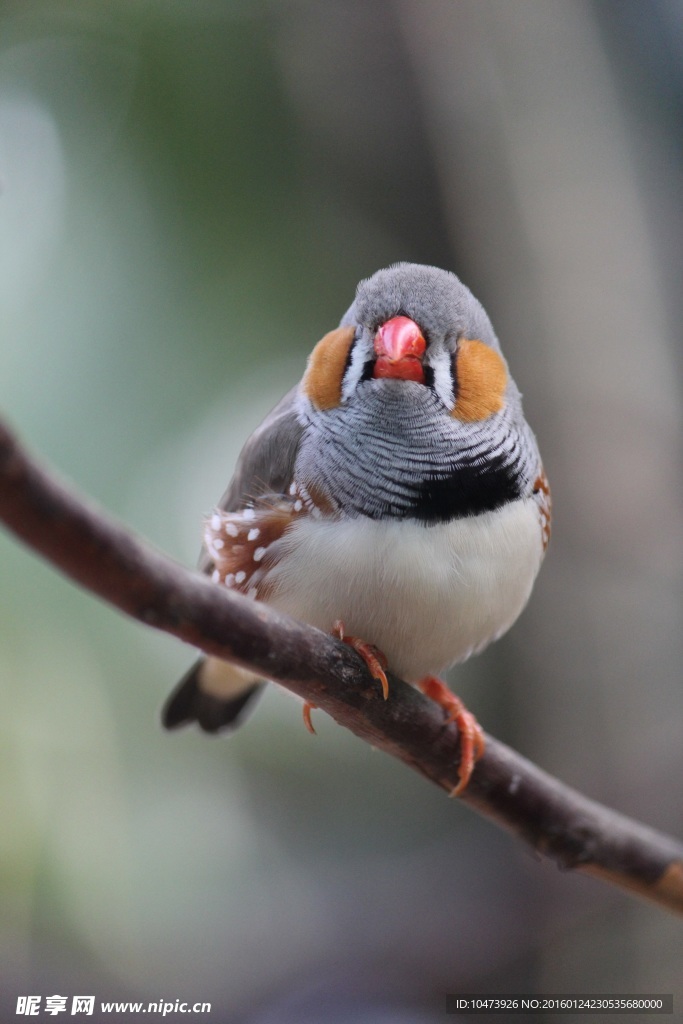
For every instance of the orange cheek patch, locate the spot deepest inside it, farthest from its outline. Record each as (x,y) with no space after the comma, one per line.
(481,381)
(322,381)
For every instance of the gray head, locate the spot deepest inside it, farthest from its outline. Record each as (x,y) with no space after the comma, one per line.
(459,352)
(435,299)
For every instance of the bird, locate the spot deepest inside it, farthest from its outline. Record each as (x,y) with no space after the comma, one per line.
(395,497)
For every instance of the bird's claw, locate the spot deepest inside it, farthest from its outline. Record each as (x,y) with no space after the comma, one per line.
(472,743)
(373,658)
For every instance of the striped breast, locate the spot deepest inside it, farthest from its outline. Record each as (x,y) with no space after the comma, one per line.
(393,452)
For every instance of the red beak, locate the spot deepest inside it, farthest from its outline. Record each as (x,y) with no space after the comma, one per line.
(399,347)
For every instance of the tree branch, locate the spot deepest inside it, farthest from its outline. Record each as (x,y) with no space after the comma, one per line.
(105,558)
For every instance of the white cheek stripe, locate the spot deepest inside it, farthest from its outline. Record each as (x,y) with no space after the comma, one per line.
(360,353)
(443,377)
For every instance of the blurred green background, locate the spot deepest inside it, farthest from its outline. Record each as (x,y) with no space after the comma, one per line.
(189,192)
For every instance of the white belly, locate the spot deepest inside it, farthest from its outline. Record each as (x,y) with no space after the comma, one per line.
(427,597)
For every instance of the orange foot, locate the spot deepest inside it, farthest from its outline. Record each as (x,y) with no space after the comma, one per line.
(308,707)
(373,658)
(471,736)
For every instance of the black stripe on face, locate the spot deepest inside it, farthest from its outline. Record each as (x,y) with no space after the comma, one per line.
(349,356)
(368,370)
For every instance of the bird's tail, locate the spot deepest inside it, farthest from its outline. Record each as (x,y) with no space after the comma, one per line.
(214,693)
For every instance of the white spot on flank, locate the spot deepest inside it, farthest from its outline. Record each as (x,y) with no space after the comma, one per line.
(230,579)
(252,593)
(240,576)
(292,489)
(215,521)
(253,533)
(231,530)
(249,514)
(298,505)
(218,543)
(258,554)
(216,576)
